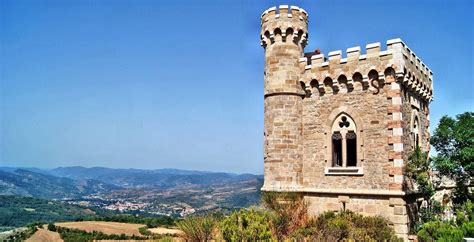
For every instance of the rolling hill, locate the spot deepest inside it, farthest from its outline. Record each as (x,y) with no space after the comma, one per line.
(23,182)
(161,178)
(165,191)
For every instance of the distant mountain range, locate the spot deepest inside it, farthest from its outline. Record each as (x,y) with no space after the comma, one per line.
(77,181)
(28,183)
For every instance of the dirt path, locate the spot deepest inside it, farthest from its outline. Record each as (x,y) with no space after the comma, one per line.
(44,235)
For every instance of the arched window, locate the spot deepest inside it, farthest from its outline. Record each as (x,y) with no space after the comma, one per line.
(344,141)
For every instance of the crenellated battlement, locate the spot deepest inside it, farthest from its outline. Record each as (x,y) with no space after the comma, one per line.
(375,64)
(284,11)
(277,24)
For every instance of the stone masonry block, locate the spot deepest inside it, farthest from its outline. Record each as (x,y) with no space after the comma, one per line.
(396,171)
(394,124)
(395,186)
(396,201)
(344,199)
(394,155)
(394,139)
(394,108)
(399,210)
(393,93)
(400,228)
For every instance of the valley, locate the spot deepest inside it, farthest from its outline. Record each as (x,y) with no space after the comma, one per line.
(72,193)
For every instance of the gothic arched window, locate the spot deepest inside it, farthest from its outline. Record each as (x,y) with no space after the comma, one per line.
(344,142)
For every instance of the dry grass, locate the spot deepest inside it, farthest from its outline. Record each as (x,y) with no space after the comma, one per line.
(44,235)
(104,227)
(160,230)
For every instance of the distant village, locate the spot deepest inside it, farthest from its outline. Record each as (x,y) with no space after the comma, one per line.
(176,209)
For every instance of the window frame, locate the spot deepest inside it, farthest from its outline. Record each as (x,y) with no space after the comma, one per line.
(344,124)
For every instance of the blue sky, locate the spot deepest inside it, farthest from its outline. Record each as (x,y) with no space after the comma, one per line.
(154,84)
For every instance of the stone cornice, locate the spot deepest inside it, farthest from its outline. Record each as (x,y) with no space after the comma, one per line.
(373,192)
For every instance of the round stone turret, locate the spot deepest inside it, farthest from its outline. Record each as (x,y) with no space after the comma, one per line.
(283,36)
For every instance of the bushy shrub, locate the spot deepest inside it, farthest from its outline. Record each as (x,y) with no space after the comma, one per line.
(454,230)
(428,214)
(290,212)
(197,228)
(51,227)
(465,213)
(370,227)
(247,225)
(346,225)
(468,229)
(144,231)
(440,231)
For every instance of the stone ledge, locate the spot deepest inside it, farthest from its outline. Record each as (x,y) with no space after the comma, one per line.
(334,191)
(343,171)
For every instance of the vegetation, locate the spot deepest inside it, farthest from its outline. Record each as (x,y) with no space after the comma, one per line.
(452,230)
(453,140)
(51,227)
(419,169)
(198,228)
(346,225)
(247,225)
(18,211)
(23,233)
(144,231)
(68,234)
(290,212)
(285,218)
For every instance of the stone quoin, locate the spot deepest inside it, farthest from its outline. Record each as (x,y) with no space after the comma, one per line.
(339,129)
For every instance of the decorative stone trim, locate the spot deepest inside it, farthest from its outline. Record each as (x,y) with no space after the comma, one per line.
(395,140)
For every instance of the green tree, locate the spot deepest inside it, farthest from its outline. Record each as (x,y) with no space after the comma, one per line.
(453,140)
(419,169)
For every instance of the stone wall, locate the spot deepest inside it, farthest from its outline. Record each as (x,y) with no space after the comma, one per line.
(369,112)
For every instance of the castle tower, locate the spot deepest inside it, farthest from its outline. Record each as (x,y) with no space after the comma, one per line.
(339,129)
(283,38)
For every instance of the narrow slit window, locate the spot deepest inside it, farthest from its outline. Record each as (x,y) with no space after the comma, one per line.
(415,131)
(351,144)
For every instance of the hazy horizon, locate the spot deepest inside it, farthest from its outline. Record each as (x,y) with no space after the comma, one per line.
(152,85)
